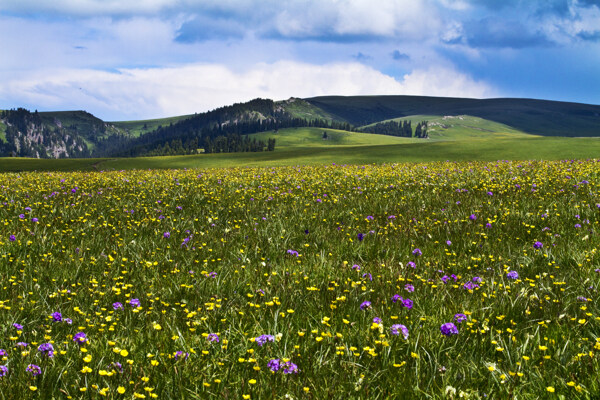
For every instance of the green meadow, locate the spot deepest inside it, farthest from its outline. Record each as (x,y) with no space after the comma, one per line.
(306,146)
(438,280)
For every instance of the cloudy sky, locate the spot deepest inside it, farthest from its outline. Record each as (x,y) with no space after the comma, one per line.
(123,60)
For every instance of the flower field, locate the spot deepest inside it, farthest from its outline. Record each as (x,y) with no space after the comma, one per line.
(433,280)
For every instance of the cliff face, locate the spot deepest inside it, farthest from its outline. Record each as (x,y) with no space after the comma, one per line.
(39,135)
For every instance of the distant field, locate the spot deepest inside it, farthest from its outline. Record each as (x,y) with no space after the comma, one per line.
(136,128)
(313,137)
(537,148)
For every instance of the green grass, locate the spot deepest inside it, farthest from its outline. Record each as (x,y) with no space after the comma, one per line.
(313,137)
(136,128)
(2,132)
(333,262)
(419,150)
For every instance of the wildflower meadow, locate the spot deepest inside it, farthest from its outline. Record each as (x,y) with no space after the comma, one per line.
(424,280)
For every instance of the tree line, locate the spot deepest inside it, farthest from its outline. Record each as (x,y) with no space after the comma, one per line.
(398,128)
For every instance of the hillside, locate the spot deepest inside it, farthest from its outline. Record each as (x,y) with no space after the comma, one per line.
(538,117)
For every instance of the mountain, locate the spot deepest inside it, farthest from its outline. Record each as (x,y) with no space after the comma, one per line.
(538,117)
(69,134)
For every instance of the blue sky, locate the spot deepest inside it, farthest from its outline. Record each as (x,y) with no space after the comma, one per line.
(124,60)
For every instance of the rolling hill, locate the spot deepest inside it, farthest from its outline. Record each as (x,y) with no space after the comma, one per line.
(293,124)
(538,117)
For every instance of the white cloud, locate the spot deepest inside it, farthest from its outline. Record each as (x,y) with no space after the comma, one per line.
(160,92)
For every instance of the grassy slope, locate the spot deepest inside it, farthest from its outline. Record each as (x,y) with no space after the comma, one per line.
(462,127)
(541,117)
(299,108)
(136,128)
(313,137)
(2,130)
(548,148)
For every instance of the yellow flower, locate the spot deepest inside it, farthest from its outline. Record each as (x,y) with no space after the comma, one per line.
(33,388)
(252,381)
(87,358)
(550,389)
(121,390)
(124,353)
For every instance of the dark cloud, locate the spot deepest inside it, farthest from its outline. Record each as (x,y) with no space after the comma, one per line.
(201,29)
(495,32)
(324,36)
(398,56)
(589,36)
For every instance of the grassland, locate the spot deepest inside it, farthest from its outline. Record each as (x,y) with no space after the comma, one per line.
(137,128)
(432,280)
(462,127)
(291,151)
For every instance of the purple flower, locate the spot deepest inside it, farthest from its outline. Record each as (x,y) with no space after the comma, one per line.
(57,316)
(408,303)
(488,225)
(34,219)
(68,321)
(3,353)
(21,344)
(80,338)
(18,326)
(449,329)
(356,267)
(397,328)
(538,245)
(490,193)
(370,217)
(365,304)
(512,275)
(115,366)
(417,252)
(21,216)
(293,252)
(12,238)
(181,354)
(135,303)
(3,370)
(262,339)
(117,306)
(411,264)
(460,318)
(213,337)
(47,349)
(449,243)
(470,285)
(409,288)
(290,368)
(366,274)
(34,369)
(472,217)
(445,278)
(360,237)
(274,365)
(396,297)
(167,235)
(377,320)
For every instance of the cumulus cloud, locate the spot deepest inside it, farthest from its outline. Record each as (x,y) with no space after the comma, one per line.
(160,92)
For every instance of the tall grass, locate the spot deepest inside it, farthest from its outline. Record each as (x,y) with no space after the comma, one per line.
(323,259)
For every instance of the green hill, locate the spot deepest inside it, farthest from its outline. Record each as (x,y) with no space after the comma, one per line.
(539,117)
(141,127)
(460,127)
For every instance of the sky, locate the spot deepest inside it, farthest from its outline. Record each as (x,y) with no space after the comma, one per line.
(128,60)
